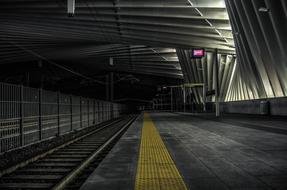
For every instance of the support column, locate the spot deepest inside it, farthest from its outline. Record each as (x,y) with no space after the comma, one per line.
(204,87)
(184,99)
(161,102)
(217,93)
(204,97)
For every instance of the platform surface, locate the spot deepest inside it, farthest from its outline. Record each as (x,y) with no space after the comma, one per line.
(117,171)
(208,155)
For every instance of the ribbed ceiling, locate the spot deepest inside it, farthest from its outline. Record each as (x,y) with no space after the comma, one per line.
(139,35)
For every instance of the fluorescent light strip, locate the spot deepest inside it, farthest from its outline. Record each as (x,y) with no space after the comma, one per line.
(200,13)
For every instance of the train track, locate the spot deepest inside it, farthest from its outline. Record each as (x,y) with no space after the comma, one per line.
(66,166)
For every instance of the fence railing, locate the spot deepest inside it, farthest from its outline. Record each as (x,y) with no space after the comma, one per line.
(29,115)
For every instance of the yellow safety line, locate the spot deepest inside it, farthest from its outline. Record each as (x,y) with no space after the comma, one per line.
(156,169)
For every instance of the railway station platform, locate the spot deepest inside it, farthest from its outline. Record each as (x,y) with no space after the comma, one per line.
(122,95)
(182,151)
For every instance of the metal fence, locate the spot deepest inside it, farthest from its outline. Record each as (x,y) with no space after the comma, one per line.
(29,115)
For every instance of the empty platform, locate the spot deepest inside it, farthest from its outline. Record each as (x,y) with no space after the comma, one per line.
(176,151)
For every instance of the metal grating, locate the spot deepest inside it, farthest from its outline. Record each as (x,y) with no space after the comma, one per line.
(29,115)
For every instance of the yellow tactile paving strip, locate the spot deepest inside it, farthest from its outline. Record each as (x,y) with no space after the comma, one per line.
(156,169)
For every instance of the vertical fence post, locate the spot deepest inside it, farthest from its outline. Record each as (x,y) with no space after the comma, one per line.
(71,112)
(58,112)
(40,114)
(81,117)
(94,112)
(21,116)
(102,112)
(88,109)
(99,111)
(1,114)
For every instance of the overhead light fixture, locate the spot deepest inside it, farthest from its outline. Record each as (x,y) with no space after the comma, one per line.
(71,8)
(263,9)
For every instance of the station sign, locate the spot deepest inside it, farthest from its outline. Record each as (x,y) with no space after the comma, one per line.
(197,53)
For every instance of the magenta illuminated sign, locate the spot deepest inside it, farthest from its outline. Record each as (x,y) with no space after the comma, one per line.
(197,53)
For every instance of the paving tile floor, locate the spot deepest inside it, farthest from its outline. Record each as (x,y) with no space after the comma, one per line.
(210,155)
(215,155)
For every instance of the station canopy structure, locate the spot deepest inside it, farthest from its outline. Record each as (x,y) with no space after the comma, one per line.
(151,38)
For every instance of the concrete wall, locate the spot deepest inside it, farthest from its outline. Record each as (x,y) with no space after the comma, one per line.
(272,106)
(278,106)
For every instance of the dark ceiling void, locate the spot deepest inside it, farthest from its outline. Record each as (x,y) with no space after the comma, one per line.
(93,82)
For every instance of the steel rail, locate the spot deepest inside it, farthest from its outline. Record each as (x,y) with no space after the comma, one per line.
(26,162)
(76,171)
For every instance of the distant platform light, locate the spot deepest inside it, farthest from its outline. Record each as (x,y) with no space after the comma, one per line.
(197,53)
(111,61)
(71,8)
(263,9)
